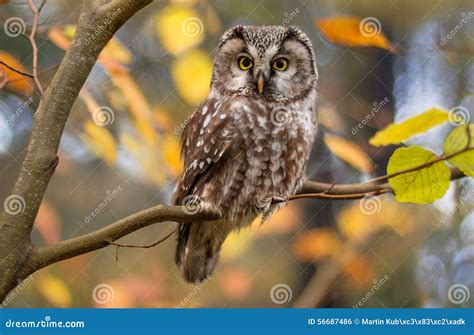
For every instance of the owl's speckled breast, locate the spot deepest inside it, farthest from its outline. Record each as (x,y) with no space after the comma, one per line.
(269,156)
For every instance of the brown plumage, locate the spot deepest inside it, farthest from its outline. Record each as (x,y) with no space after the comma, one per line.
(246,145)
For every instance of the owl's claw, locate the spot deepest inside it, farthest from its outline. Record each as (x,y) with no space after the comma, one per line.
(277,199)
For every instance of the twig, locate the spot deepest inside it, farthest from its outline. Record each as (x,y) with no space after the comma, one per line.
(31,37)
(26,74)
(425,165)
(4,77)
(146,246)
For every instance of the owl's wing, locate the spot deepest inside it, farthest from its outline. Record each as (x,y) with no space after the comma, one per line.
(206,140)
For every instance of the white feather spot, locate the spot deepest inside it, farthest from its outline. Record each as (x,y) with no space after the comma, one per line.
(206,121)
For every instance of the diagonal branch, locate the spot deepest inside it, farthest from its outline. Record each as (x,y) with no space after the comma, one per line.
(50,118)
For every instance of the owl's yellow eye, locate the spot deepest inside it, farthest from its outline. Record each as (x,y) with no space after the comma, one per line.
(280,64)
(245,63)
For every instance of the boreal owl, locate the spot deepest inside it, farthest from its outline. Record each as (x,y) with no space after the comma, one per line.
(246,147)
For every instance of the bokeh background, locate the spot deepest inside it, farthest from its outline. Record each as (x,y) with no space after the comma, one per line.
(120,154)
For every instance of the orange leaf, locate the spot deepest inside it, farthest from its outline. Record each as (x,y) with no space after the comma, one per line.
(48,223)
(16,81)
(360,271)
(354,31)
(349,152)
(235,283)
(285,220)
(316,245)
(56,36)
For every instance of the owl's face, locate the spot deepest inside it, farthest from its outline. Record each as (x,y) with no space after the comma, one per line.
(273,62)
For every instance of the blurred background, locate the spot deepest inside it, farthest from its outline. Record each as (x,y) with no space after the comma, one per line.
(120,154)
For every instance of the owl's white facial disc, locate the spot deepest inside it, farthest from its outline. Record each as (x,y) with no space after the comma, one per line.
(264,45)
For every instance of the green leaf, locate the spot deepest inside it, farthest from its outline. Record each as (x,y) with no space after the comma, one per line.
(398,132)
(456,141)
(420,186)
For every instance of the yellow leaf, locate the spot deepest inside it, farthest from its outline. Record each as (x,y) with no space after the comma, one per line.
(101,141)
(117,51)
(399,132)
(316,245)
(179,28)
(16,82)
(237,243)
(458,140)
(171,155)
(192,76)
(354,31)
(54,290)
(421,186)
(330,118)
(147,159)
(138,105)
(349,152)
(369,215)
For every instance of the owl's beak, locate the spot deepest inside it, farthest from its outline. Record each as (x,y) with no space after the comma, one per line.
(260,83)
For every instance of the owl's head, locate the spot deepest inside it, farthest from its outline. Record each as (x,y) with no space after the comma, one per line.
(273,62)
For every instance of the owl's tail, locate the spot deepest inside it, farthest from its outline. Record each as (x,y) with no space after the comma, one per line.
(198,249)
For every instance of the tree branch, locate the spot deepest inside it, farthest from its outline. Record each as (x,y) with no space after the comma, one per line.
(98,22)
(50,118)
(49,254)
(103,237)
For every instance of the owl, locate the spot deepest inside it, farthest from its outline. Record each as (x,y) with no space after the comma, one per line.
(246,147)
